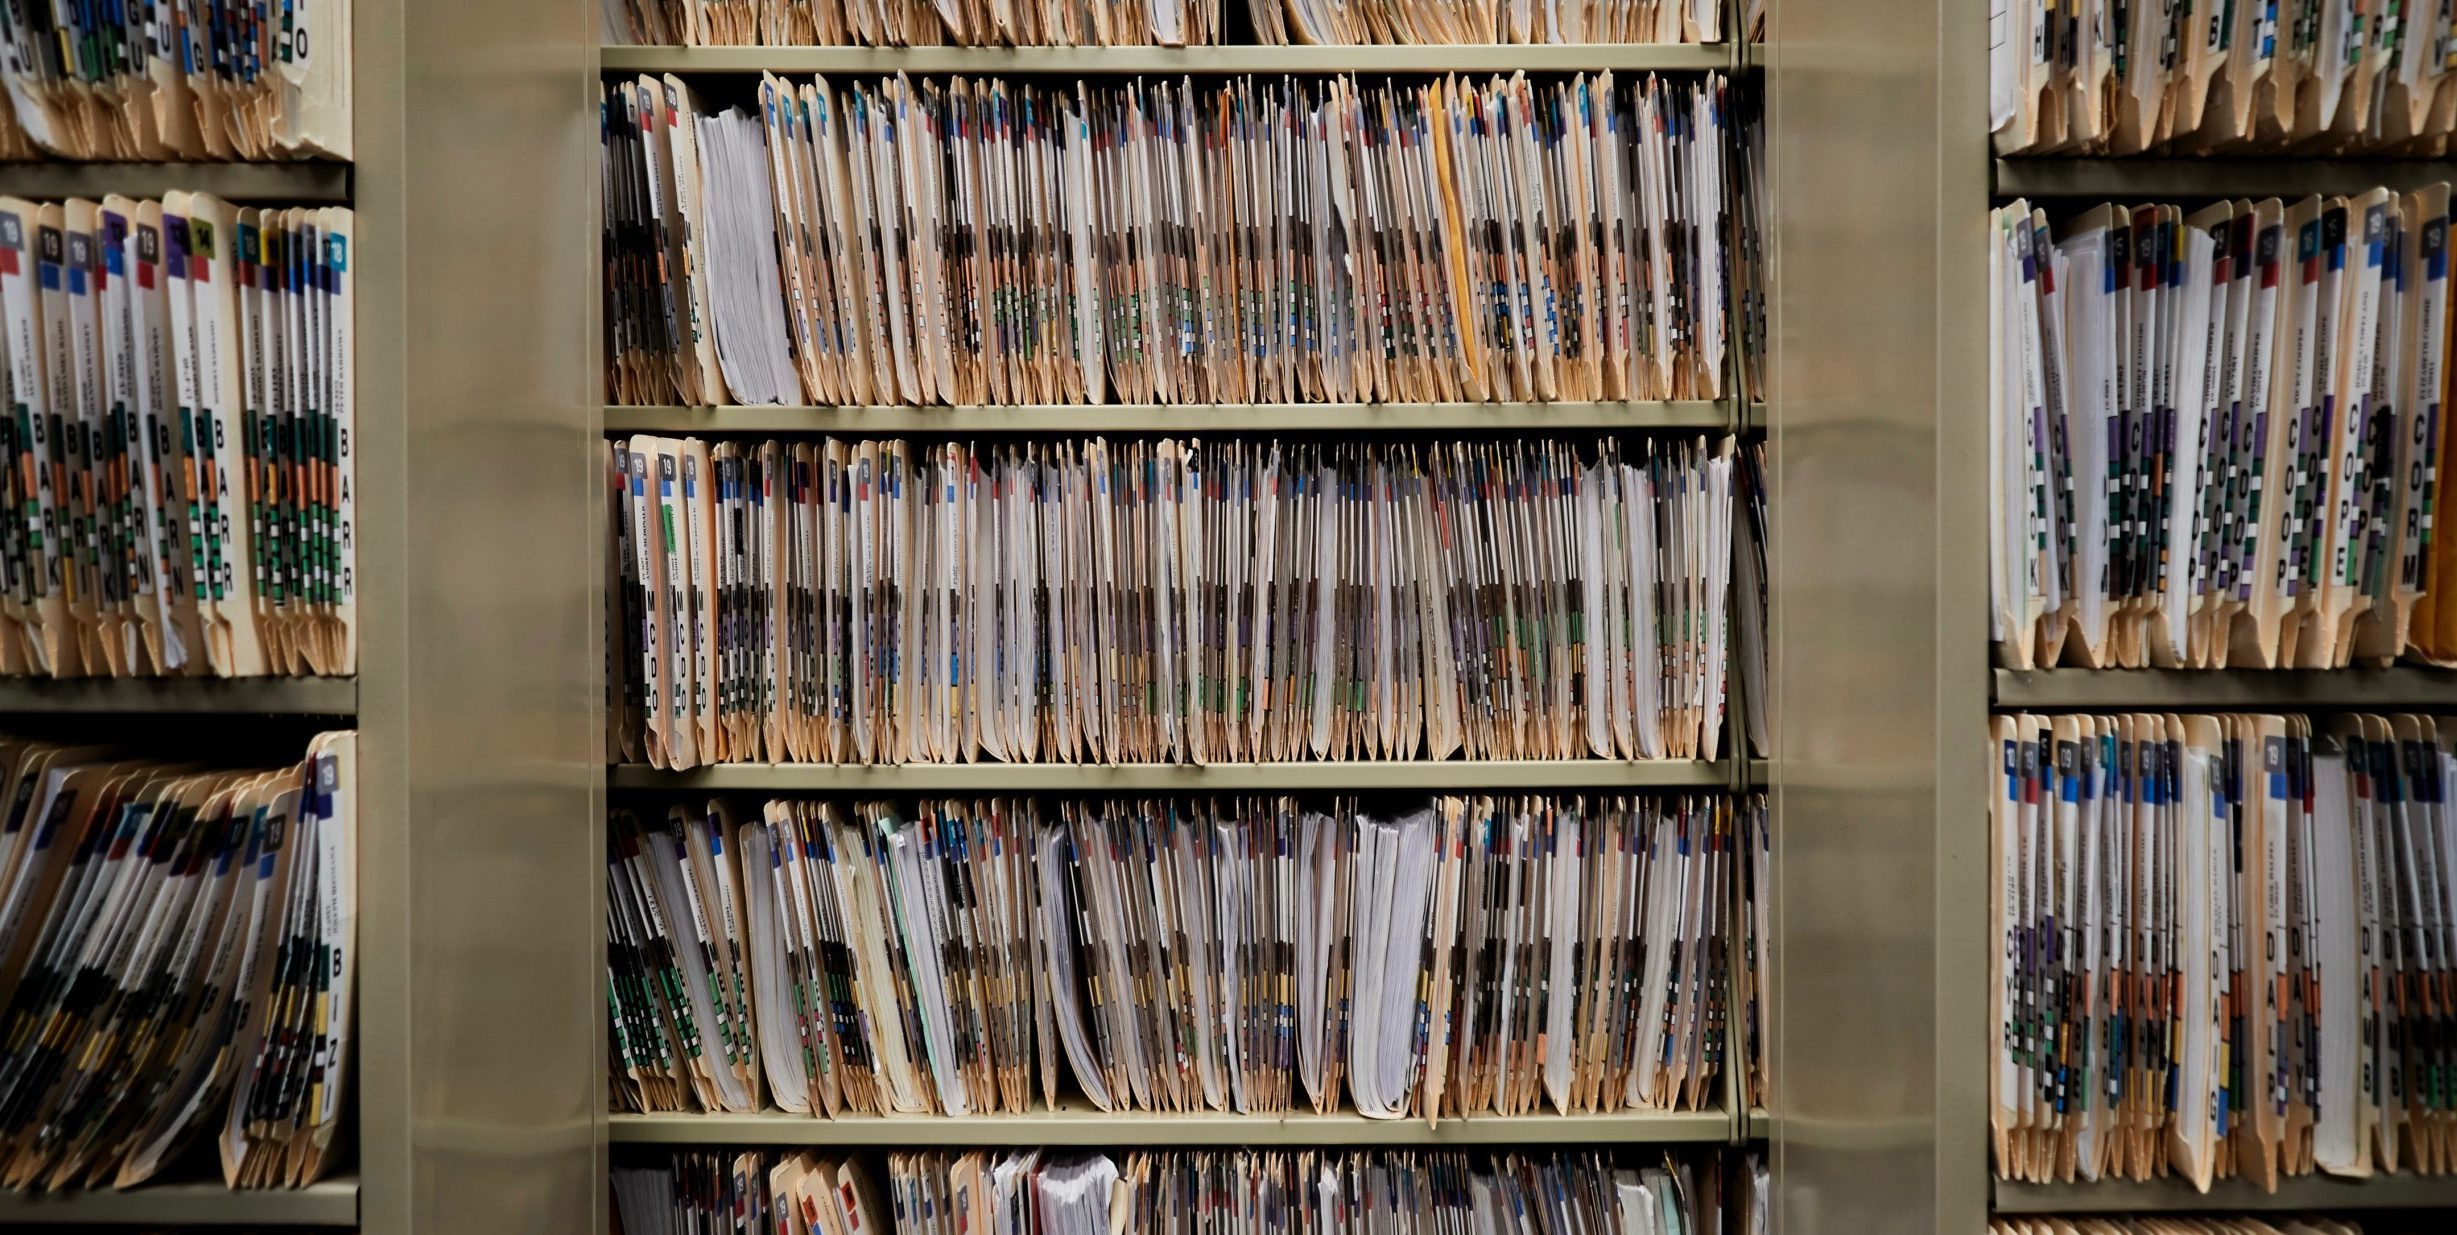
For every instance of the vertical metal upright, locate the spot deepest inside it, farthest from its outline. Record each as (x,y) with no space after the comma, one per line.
(1876,151)
(479,701)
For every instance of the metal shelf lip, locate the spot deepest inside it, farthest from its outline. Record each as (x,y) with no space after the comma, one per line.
(2130,178)
(333,1202)
(2403,686)
(233,696)
(1086,1126)
(1632,416)
(308,183)
(1531,774)
(2311,1193)
(1760,1125)
(1078,61)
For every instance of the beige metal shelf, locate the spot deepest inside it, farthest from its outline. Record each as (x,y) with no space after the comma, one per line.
(2304,1194)
(2403,686)
(239,182)
(1082,1125)
(333,1202)
(1173,418)
(1078,61)
(1531,774)
(2048,176)
(1759,1125)
(292,696)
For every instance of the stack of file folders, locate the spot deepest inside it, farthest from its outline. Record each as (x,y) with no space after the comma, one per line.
(156,80)
(177,963)
(2224,946)
(1161,23)
(1073,601)
(177,448)
(2317,76)
(1241,240)
(1236,1192)
(2216,435)
(1468,956)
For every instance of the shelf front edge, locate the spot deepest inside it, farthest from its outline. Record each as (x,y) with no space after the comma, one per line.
(334,1202)
(1154,778)
(1208,60)
(1127,1129)
(2304,1194)
(1703,415)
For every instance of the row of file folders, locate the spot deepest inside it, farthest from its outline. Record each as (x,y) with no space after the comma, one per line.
(2225,946)
(178,443)
(2306,76)
(2217,435)
(1159,23)
(1451,958)
(178,958)
(167,80)
(1088,601)
(1180,1192)
(1237,240)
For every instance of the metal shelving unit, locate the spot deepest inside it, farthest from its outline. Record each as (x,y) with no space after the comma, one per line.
(1330,777)
(1200,61)
(2132,179)
(2403,686)
(333,1202)
(2299,1195)
(1687,415)
(2399,687)
(230,696)
(286,183)
(1087,1126)
(1079,1125)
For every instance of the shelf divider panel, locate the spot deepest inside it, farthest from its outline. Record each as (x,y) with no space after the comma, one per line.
(333,1202)
(2310,1193)
(2403,686)
(2147,178)
(229,696)
(307,183)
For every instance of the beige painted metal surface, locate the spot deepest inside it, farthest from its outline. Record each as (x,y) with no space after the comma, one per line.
(1879,170)
(477,147)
